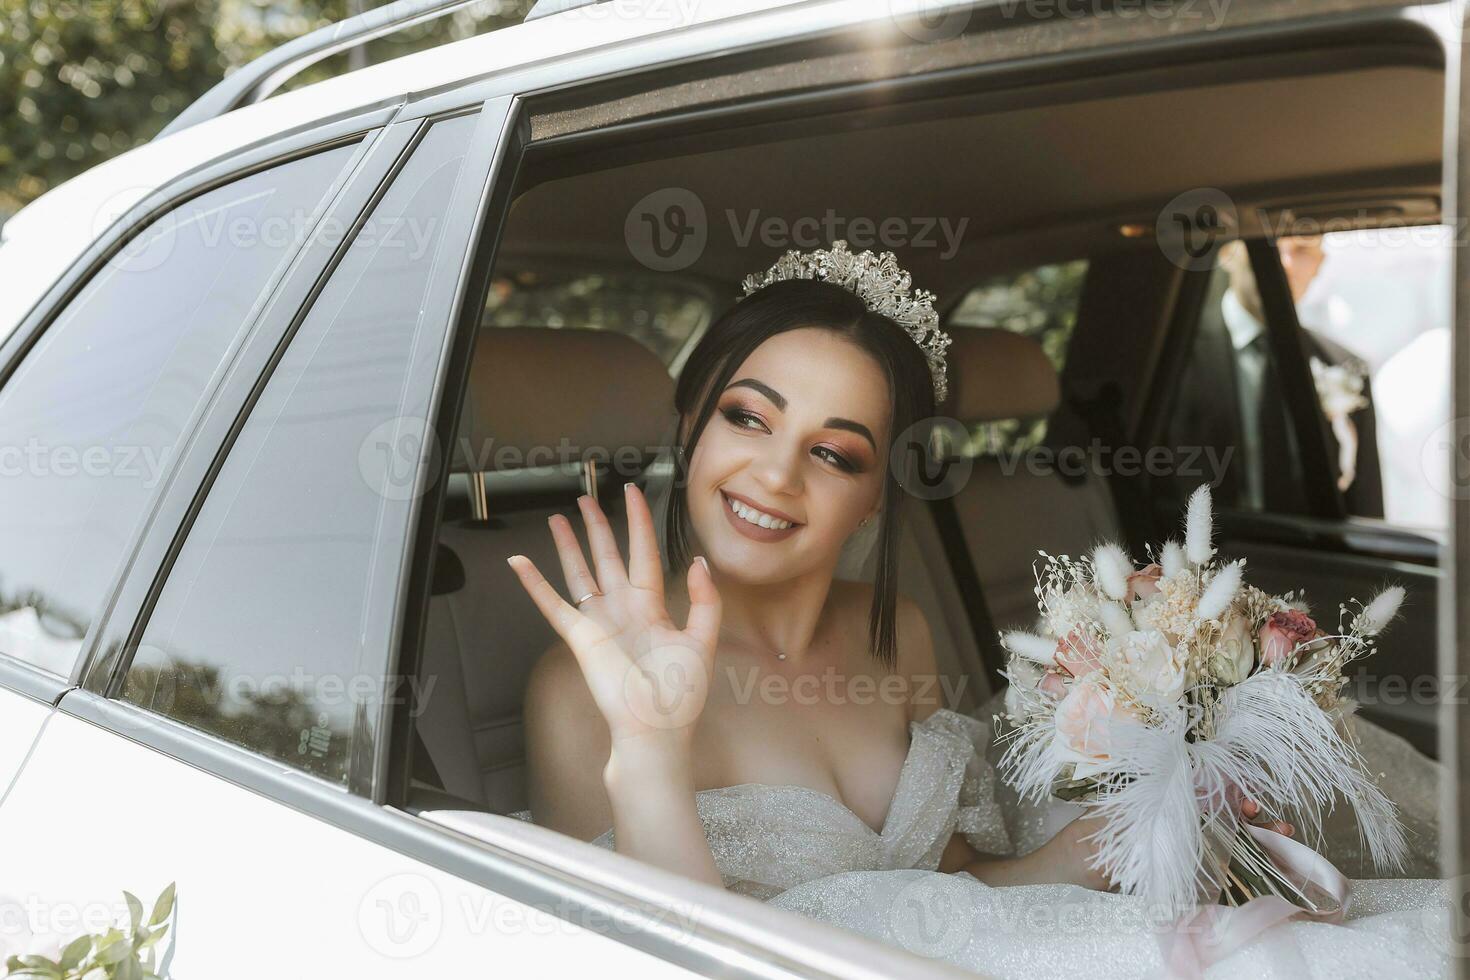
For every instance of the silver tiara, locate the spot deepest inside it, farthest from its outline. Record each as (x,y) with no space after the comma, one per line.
(883,287)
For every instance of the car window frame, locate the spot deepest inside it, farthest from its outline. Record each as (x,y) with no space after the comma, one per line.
(354,129)
(201,459)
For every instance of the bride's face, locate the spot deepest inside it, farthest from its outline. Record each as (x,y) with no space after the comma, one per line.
(793,458)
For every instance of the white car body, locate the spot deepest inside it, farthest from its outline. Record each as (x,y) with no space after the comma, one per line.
(278,874)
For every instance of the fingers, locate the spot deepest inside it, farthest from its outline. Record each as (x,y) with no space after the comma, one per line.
(606,559)
(579,632)
(645,568)
(561,614)
(1251,810)
(703,624)
(574,569)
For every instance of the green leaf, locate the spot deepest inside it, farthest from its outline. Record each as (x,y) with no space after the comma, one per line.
(114,952)
(154,936)
(96,973)
(164,907)
(35,966)
(75,952)
(12,963)
(135,909)
(128,969)
(34,962)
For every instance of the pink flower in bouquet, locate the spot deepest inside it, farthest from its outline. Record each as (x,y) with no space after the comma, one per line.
(1144,583)
(1083,726)
(1052,684)
(1079,652)
(1283,632)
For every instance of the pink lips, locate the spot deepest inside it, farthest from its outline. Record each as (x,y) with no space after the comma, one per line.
(754,531)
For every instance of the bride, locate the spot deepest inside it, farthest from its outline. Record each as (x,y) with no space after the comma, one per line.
(785,741)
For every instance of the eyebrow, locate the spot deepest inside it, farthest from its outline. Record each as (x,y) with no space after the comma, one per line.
(851,426)
(775,396)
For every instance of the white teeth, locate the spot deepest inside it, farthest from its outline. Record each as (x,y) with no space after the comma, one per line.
(756,517)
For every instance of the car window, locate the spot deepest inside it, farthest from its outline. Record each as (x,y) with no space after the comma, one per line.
(1040,302)
(1375,308)
(265,632)
(660,312)
(93,415)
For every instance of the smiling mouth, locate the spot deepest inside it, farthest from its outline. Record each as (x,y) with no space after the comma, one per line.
(754,522)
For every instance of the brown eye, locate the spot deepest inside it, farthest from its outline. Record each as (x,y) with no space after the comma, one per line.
(742,419)
(829,455)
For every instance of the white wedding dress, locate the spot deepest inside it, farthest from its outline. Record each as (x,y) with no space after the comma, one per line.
(802,850)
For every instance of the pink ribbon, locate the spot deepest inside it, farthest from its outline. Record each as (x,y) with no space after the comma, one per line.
(1211,933)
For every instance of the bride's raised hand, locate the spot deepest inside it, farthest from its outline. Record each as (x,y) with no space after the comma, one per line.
(648,677)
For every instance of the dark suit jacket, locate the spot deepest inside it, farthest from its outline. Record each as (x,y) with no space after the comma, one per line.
(1207,413)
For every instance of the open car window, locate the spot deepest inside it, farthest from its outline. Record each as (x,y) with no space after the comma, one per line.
(661,312)
(1039,302)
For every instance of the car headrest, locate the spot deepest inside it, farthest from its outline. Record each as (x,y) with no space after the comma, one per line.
(998,374)
(540,397)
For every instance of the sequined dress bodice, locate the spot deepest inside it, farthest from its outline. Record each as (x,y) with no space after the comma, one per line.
(767,839)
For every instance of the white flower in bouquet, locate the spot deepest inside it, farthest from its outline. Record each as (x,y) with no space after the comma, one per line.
(1235,651)
(1150,668)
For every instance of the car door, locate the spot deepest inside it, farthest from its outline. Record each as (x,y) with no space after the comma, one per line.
(232,645)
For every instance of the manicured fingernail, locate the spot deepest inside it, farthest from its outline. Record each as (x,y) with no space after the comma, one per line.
(511,561)
(701,560)
(630,485)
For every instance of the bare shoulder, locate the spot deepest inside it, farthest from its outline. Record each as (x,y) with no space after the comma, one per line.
(557,693)
(567,745)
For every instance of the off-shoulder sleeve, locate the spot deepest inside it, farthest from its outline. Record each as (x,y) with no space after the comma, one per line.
(978,816)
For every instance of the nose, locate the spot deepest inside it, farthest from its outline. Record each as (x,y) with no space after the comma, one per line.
(778,467)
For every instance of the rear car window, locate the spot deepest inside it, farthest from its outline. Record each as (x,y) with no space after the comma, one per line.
(1040,302)
(661,312)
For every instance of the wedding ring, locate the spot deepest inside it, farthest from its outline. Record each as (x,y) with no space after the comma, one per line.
(589,595)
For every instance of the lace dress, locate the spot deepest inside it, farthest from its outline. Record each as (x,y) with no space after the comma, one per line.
(803,850)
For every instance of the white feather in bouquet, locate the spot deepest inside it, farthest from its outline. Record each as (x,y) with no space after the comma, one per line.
(1164,694)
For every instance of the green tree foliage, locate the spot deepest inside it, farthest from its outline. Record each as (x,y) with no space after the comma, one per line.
(84,80)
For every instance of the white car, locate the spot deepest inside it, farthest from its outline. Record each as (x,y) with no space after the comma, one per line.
(281,389)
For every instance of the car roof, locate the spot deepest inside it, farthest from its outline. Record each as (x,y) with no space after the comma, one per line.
(43,239)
